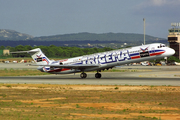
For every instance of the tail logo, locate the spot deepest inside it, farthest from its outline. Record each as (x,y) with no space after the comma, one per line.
(144,50)
(40,59)
(38,56)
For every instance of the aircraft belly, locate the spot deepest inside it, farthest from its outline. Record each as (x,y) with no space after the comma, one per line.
(64,72)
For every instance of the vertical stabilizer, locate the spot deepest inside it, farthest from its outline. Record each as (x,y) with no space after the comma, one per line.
(39,57)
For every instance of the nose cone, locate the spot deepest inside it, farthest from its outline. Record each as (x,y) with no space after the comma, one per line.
(170,52)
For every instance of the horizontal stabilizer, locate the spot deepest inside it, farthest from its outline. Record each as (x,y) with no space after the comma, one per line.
(30,51)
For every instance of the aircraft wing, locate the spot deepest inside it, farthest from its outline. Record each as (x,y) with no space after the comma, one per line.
(70,66)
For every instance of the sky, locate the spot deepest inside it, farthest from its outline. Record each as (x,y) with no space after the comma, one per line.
(55,17)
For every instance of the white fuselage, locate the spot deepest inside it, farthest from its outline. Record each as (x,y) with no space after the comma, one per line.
(112,58)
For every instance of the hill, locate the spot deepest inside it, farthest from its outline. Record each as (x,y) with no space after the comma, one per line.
(13,35)
(85,39)
(120,37)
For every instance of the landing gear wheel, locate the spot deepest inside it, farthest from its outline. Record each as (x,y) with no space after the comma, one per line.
(98,75)
(83,75)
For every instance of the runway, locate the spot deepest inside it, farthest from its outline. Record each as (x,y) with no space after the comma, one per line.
(169,76)
(144,75)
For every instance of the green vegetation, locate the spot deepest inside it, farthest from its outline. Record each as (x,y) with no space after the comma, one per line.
(30,72)
(53,51)
(173,59)
(18,72)
(56,52)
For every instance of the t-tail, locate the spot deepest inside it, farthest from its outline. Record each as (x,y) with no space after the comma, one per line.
(38,56)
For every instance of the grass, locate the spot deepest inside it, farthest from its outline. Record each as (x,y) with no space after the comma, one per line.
(31,72)
(18,72)
(28,59)
(45,101)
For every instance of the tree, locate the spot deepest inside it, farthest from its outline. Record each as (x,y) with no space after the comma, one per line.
(20,48)
(27,47)
(2,47)
(54,51)
(107,49)
(173,59)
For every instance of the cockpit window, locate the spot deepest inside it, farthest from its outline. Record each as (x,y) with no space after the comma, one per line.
(161,45)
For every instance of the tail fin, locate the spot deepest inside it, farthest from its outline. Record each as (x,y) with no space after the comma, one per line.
(38,56)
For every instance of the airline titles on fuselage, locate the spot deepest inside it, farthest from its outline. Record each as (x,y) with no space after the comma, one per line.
(111,56)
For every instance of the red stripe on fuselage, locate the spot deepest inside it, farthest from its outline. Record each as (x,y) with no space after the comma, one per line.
(59,70)
(159,53)
(135,57)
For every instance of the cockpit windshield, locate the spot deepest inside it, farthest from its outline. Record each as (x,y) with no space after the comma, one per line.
(161,45)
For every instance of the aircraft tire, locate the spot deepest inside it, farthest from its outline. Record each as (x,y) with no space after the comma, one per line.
(98,75)
(83,75)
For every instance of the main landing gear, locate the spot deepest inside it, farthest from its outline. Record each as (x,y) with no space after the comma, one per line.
(84,75)
(98,75)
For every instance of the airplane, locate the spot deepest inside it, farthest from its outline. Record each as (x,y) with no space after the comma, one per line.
(99,61)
